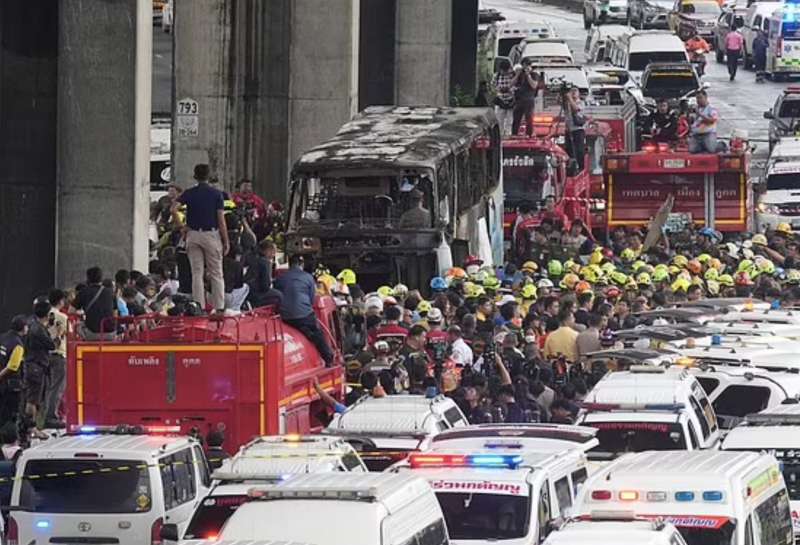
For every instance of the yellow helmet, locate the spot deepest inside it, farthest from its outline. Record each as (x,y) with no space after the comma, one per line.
(680,261)
(674,270)
(638,264)
(491,283)
(619,278)
(643,279)
(608,268)
(703,258)
(661,275)
(725,280)
(793,276)
(680,284)
(589,274)
(569,281)
(711,274)
(630,284)
(327,282)
(347,276)
(765,265)
(759,239)
(597,256)
(697,281)
(784,228)
(424,306)
(385,291)
(530,266)
(529,291)
(627,255)
(713,287)
(717,264)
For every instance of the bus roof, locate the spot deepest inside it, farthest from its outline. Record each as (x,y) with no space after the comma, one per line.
(394,137)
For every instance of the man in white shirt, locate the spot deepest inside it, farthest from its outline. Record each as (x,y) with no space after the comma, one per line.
(460,351)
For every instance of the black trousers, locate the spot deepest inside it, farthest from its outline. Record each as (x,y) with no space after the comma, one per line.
(10,405)
(523,109)
(576,146)
(309,327)
(733,62)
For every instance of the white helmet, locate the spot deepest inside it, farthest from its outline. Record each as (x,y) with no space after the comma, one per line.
(544,283)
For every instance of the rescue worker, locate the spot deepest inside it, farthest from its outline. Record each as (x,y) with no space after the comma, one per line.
(703,137)
(215,453)
(12,353)
(526,86)
(299,290)
(697,48)
(575,126)
(760,47)
(663,123)
(38,346)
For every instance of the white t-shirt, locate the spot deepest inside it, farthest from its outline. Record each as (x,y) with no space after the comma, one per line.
(461,353)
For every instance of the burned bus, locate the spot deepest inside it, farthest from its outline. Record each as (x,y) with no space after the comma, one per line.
(401,194)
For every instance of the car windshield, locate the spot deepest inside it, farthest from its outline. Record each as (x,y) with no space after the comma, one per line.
(523,175)
(706,536)
(505,45)
(669,84)
(211,515)
(783,182)
(616,438)
(701,8)
(485,516)
(789,108)
(94,486)
(639,61)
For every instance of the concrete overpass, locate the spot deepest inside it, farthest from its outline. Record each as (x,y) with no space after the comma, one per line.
(256,82)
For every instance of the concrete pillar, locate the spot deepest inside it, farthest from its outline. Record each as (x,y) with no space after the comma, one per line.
(104,90)
(422,52)
(271,80)
(28,75)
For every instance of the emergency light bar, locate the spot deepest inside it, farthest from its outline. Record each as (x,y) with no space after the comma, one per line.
(602,407)
(646,369)
(778,419)
(501,461)
(312,493)
(123,429)
(659,496)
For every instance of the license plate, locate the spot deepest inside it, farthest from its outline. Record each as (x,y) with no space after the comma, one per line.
(674,163)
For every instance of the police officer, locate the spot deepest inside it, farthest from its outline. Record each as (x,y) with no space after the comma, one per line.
(12,353)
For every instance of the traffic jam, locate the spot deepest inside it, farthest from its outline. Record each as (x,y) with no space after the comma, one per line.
(444,243)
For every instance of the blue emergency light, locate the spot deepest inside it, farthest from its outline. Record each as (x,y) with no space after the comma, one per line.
(712,495)
(43,524)
(684,496)
(502,461)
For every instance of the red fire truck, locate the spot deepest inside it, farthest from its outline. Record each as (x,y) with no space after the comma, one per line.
(251,373)
(709,189)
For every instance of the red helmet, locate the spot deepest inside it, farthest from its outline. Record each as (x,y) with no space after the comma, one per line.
(473,260)
(742,278)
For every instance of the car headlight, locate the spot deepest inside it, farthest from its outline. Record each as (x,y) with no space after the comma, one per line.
(767,208)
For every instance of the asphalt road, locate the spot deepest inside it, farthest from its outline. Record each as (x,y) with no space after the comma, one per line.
(741,103)
(162,71)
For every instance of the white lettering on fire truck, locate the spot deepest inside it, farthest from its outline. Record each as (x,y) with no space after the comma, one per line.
(519,161)
(145,361)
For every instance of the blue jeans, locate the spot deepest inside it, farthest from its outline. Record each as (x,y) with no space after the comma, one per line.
(703,143)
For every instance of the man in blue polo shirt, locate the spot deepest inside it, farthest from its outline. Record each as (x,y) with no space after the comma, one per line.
(207,237)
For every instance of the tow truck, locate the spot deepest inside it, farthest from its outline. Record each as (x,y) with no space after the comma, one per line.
(249,375)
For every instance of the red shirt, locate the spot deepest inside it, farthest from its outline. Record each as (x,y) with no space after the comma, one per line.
(251,200)
(386,330)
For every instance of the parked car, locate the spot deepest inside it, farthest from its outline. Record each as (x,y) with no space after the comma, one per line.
(698,15)
(784,117)
(726,20)
(649,13)
(596,12)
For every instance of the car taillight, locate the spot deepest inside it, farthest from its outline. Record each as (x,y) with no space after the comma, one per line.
(155,532)
(12,532)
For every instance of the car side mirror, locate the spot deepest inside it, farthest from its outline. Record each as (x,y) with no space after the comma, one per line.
(768,115)
(169,532)
(497,61)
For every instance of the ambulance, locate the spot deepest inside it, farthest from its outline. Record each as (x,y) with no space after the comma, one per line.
(500,495)
(712,497)
(776,431)
(525,437)
(265,460)
(117,485)
(341,509)
(782,356)
(390,427)
(783,33)
(610,528)
(649,408)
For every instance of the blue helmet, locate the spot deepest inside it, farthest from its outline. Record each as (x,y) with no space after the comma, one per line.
(438,283)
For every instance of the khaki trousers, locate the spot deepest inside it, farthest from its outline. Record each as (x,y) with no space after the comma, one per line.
(204,249)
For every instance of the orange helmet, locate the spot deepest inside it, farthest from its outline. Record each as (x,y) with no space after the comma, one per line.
(582,287)
(456,272)
(694,266)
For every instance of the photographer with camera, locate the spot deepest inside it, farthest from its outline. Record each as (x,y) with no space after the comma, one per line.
(575,122)
(526,83)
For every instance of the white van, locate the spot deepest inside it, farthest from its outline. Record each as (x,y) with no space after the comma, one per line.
(342,509)
(503,495)
(610,528)
(394,425)
(551,51)
(509,34)
(780,202)
(776,431)
(783,53)
(736,391)
(597,39)
(636,50)
(755,19)
(730,498)
(526,437)
(106,488)
(264,460)
(649,408)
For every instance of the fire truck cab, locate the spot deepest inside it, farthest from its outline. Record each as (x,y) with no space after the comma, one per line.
(709,189)
(249,375)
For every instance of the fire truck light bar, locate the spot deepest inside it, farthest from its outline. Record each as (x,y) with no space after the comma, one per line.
(502,461)
(633,406)
(123,429)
